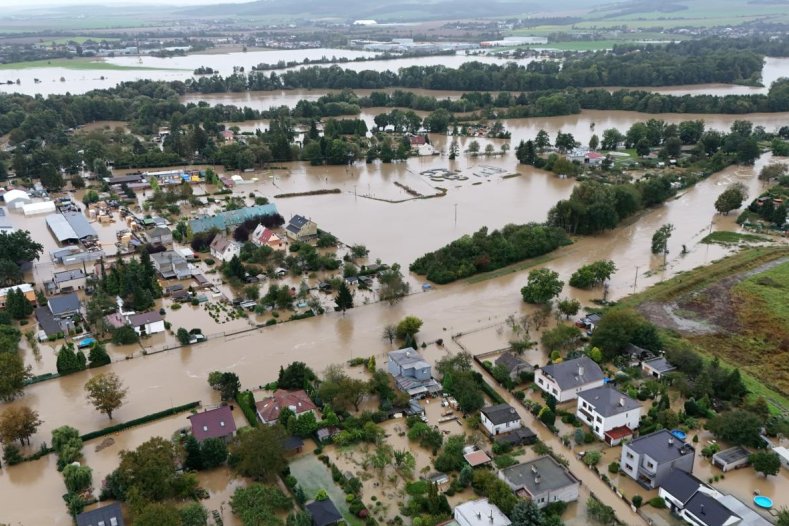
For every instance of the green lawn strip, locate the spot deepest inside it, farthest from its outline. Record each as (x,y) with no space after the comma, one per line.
(724,237)
(78,64)
(313,476)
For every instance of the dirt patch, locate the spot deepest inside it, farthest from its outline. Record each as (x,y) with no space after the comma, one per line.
(104,444)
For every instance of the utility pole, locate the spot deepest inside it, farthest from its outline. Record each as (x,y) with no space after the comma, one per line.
(635,280)
(456,214)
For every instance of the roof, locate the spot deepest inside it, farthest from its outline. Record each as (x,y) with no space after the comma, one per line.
(79,224)
(24,287)
(220,243)
(115,320)
(661,446)
(509,361)
(222,220)
(539,475)
(160,231)
(408,358)
(298,222)
(61,228)
(68,275)
(292,443)
(297,401)
(323,512)
(46,321)
(480,512)
(522,435)
(680,485)
(128,178)
(608,401)
(500,413)
(748,516)
(63,303)
(708,510)
(733,454)
(110,515)
(634,351)
(477,458)
(661,365)
(13,195)
(144,318)
(265,235)
(327,432)
(574,373)
(594,155)
(619,433)
(214,423)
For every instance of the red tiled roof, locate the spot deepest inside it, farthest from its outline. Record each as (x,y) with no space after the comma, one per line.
(618,433)
(214,423)
(476,458)
(298,401)
(594,155)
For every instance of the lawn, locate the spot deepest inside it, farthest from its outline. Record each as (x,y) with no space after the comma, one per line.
(723,237)
(768,292)
(74,63)
(314,476)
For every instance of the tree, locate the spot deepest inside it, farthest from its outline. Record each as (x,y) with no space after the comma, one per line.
(599,512)
(193,514)
(296,376)
(390,333)
(526,513)
(213,452)
(765,462)
(183,336)
(341,391)
(257,505)
(344,299)
(473,147)
(451,456)
(77,478)
(731,199)
(9,339)
(542,140)
(194,458)
(660,239)
(594,142)
(642,148)
(10,273)
(158,514)
(106,392)
(13,375)
(258,453)
(393,286)
(593,275)
(125,335)
(67,443)
(568,307)
(773,171)
(408,327)
(620,326)
(542,286)
(98,356)
(226,383)
(16,303)
(70,360)
(18,423)
(19,247)
(783,517)
(737,427)
(561,338)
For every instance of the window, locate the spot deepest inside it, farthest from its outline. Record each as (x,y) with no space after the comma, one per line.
(628,467)
(598,418)
(597,429)
(539,381)
(629,455)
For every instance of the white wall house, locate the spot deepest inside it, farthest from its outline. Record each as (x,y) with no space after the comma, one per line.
(147,322)
(480,513)
(224,249)
(566,379)
(500,419)
(605,409)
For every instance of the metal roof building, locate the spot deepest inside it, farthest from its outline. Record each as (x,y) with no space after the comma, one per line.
(61,229)
(222,220)
(80,225)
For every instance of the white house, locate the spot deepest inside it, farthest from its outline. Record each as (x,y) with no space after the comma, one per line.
(224,249)
(147,322)
(499,419)
(16,199)
(566,379)
(700,505)
(542,480)
(265,236)
(610,414)
(480,513)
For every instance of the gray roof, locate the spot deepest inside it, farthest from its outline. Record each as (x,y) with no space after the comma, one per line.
(46,321)
(136,320)
(500,413)
(539,475)
(297,222)
(128,178)
(160,231)
(68,275)
(61,228)
(661,365)
(733,454)
(323,512)
(681,485)
(661,446)
(708,510)
(80,225)
(607,401)
(63,303)
(567,374)
(110,515)
(509,361)
(638,352)
(408,358)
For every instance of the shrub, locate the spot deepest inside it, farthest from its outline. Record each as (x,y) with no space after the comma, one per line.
(638,500)
(657,502)
(613,468)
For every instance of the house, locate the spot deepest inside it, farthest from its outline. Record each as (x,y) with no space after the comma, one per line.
(650,458)
(68,280)
(477,457)
(479,512)
(147,322)
(513,364)
(783,454)
(657,367)
(214,423)
(733,458)
(589,322)
(500,418)
(171,265)
(566,379)
(412,374)
(606,409)
(542,480)
(263,236)
(323,513)
(5,223)
(64,305)
(224,248)
(293,445)
(325,434)
(520,437)
(160,235)
(26,288)
(300,228)
(299,402)
(636,355)
(228,135)
(110,515)
(700,505)
(16,199)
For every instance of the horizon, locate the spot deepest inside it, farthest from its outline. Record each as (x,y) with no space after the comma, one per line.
(26,4)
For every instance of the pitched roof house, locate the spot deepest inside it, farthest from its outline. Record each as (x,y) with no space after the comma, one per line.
(500,418)
(412,373)
(323,513)
(299,402)
(650,458)
(566,379)
(224,248)
(300,228)
(214,423)
(109,515)
(543,480)
(147,322)
(263,236)
(513,364)
(605,409)
(171,265)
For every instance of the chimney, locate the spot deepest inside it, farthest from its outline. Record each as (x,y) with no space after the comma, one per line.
(670,442)
(702,510)
(621,401)
(491,516)
(580,370)
(537,479)
(479,516)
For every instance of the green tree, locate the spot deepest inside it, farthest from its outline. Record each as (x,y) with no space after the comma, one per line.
(731,199)
(106,393)
(593,275)
(561,338)
(226,383)
(13,375)
(258,453)
(542,286)
(660,239)
(344,299)
(451,456)
(17,304)
(408,327)
(526,513)
(67,444)
(738,427)
(765,462)
(98,356)
(297,375)
(193,459)
(542,140)
(213,452)
(183,337)
(158,514)
(9,339)
(77,478)
(257,505)
(393,286)
(594,142)
(70,360)
(125,335)
(18,246)
(620,326)
(568,307)
(193,514)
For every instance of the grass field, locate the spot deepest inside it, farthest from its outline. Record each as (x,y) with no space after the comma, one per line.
(723,237)
(75,63)
(314,476)
(767,294)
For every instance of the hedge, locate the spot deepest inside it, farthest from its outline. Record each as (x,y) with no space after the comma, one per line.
(488,390)
(41,378)
(138,421)
(246,401)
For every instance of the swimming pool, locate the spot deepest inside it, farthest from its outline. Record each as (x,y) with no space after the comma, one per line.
(763,502)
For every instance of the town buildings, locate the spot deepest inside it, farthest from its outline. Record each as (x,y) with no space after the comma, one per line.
(650,458)
(566,379)
(609,413)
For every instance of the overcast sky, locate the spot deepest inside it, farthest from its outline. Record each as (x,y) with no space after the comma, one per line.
(38,3)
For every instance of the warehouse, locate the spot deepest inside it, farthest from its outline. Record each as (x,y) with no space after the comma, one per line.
(70,228)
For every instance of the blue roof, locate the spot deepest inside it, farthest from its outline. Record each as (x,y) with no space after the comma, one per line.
(222,220)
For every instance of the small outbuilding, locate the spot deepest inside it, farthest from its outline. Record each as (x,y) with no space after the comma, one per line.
(324,513)
(733,458)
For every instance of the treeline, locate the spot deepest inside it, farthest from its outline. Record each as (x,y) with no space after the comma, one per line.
(484,251)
